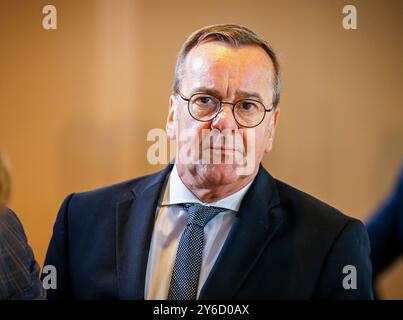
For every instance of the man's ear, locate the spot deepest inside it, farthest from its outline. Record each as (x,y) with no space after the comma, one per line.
(272,130)
(171,120)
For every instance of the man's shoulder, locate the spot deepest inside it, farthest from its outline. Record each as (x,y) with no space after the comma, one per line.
(112,194)
(305,209)
(120,191)
(318,228)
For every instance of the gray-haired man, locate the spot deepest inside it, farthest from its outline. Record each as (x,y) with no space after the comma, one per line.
(204,228)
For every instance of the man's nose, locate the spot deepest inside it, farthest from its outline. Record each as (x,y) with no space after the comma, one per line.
(225,118)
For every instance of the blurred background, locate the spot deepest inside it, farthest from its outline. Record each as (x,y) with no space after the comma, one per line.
(76,103)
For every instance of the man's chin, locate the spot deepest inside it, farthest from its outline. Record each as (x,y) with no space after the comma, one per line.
(217,174)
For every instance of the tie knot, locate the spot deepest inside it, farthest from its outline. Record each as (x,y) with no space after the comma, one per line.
(200,215)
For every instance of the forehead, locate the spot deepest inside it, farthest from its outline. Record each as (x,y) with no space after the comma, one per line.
(219,66)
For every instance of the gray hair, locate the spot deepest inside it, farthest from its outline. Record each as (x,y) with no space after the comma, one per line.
(235,36)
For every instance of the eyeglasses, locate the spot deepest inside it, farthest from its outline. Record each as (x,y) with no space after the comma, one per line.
(248,113)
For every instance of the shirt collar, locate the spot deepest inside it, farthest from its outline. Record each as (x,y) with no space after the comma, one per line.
(177,192)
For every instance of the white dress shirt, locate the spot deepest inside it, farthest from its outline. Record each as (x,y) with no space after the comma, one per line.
(170,222)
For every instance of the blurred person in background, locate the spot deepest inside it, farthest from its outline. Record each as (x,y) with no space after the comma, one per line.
(385,230)
(19,272)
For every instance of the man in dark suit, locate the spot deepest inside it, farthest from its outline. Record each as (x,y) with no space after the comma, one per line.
(19,272)
(215,224)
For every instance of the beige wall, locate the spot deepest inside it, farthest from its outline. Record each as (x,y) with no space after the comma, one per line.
(76,103)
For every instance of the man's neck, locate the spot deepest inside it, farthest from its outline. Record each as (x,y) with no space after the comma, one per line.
(211,193)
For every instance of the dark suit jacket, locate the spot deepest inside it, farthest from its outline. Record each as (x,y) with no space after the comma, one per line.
(19,272)
(284,245)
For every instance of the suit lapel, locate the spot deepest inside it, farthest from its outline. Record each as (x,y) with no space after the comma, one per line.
(134,224)
(258,220)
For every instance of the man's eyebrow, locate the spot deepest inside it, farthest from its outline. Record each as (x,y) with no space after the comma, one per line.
(251,95)
(210,91)
(239,93)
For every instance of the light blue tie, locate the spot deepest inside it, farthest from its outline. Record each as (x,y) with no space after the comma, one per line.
(186,272)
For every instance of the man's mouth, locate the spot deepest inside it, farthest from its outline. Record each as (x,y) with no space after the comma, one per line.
(222,149)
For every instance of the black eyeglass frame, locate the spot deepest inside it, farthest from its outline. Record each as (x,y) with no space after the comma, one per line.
(221,103)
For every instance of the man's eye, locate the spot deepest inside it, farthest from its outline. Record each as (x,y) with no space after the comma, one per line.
(204,100)
(248,106)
